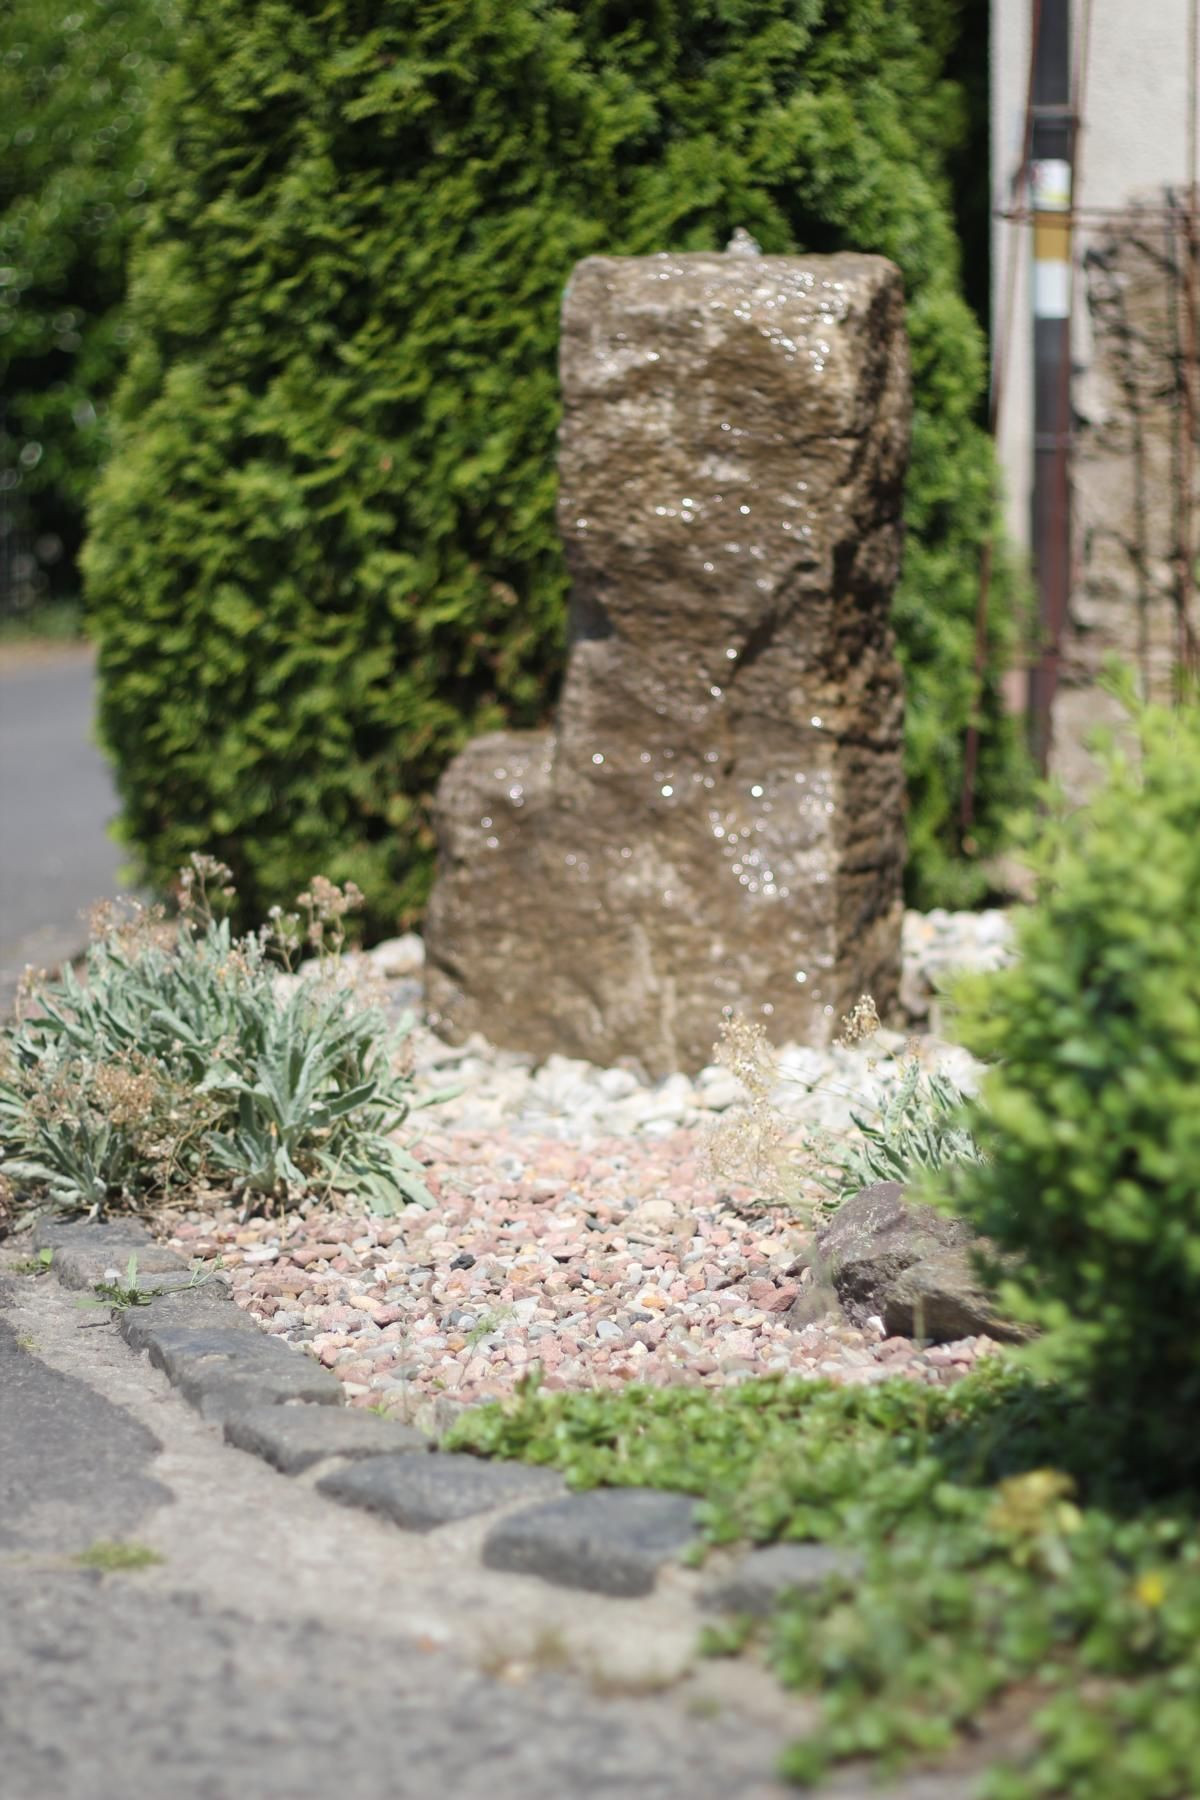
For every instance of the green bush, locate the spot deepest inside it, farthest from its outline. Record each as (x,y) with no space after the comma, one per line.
(325,552)
(73,90)
(1091,1118)
(181,1064)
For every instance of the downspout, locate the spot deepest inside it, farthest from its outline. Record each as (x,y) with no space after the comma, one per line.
(1053,146)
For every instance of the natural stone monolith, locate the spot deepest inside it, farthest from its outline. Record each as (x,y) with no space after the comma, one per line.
(717,820)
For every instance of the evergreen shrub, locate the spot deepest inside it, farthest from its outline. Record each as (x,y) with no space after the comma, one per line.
(74,81)
(324,554)
(1090,1121)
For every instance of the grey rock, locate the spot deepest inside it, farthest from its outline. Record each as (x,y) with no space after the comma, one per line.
(422,1492)
(53,1233)
(205,1305)
(82,1265)
(609,1541)
(941,1299)
(293,1438)
(908,1264)
(178,1281)
(720,808)
(817,1300)
(761,1579)
(74,1467)
(224,1371)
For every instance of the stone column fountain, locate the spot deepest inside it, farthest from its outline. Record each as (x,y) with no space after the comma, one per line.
(717,821)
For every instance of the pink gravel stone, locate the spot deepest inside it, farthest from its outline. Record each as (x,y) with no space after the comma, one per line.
(383,1295)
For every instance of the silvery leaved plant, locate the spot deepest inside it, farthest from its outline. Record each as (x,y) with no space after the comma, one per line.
(181,1060)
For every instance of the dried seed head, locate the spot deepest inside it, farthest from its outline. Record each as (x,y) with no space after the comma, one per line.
(860,1023)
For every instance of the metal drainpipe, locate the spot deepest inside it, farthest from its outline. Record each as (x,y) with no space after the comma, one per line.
(1050,192)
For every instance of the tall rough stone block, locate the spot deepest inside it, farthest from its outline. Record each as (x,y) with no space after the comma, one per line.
(718,819)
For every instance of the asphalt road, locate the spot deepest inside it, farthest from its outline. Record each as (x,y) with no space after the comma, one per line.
(56,802)
(283,1648)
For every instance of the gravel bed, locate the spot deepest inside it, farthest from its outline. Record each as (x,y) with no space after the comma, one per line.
(580,1225)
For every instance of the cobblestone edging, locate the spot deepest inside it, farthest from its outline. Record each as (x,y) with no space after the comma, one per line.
(285,1408)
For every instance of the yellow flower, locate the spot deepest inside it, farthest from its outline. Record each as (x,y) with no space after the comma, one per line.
(1150,1588)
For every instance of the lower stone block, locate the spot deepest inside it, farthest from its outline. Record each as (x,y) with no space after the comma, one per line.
(82,1265)
(422,1492)
(222,1371)
(763,1577)
(610,1541)
(293,1438)
(205,1305)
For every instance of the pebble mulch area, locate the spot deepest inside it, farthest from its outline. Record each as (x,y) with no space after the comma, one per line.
(580,1226)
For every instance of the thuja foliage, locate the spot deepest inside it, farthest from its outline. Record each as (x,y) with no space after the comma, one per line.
(1005,1568)
(74,80)
(1091,1117)
(325,552)
(181,1063)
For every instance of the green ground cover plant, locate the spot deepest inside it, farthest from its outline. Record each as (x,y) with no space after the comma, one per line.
(341,403)
(180,1063)
(1013,1566)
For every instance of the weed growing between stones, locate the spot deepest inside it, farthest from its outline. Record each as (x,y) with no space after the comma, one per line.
(183,1063)
(35,1265)
(113,1558)
(918,1126)
(1019,1599)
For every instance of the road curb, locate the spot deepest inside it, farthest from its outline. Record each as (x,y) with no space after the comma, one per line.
(276,1402)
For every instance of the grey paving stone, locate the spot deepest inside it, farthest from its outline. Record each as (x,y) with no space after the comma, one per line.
(219,1397)
(760,1579)
(74,1467)
(82,1265)
(51,1233)
(204,1305)
(293,1438)
(176,1281)
(421,1492)
(223,1371)
(610,1541)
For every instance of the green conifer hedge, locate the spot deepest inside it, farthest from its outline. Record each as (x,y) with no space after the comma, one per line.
(74,81)
(325,554)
